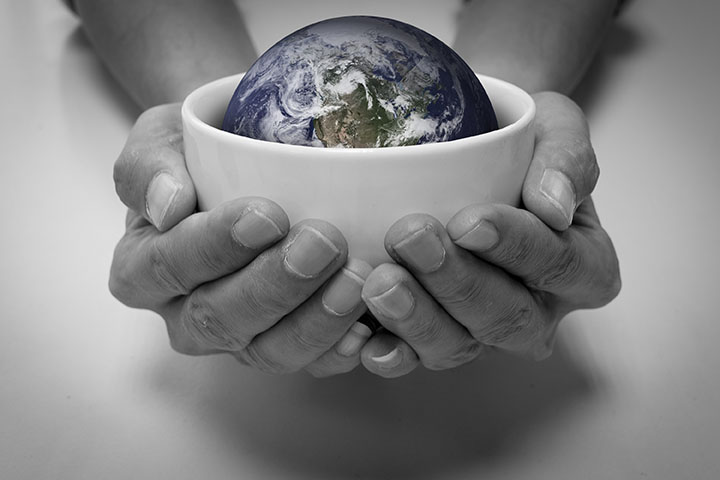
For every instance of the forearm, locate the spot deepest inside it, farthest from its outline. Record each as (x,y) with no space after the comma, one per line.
(538,45)
(162,49)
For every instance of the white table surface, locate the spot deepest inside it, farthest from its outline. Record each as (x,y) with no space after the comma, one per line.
(89,389)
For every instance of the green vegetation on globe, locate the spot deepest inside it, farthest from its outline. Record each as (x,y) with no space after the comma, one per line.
(359,82)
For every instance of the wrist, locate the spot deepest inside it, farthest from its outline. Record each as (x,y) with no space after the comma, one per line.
(160,51)
(535,45)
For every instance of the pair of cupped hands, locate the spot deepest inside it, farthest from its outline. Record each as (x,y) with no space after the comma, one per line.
(281,298)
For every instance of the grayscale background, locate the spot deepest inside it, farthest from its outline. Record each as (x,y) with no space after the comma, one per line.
(89,389)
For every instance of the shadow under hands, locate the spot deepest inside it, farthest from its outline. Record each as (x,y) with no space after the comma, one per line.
(361,426)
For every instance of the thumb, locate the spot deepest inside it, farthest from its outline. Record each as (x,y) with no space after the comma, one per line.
(563,171)
(150,174)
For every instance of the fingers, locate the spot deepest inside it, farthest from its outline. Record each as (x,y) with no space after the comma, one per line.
(578,266)
(345,354)
(150,267)
(388,356)
(229,313)
(311,330)
(400,303)
(150,174)
(563,171)
(490,304)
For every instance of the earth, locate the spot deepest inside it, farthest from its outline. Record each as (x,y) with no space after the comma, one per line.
(359,82)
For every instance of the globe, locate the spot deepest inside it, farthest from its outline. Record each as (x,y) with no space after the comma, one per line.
(359,82)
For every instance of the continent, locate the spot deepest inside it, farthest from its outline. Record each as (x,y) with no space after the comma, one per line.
(359,82)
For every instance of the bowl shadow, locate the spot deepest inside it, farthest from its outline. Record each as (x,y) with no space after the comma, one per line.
(424,425)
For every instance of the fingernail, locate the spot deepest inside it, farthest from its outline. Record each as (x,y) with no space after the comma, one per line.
(423,250)
(351,343)
(342,294)
(160,197)
(483,236)
(255,230)
(558,189)
(309,253)
(396,303)
(389,360)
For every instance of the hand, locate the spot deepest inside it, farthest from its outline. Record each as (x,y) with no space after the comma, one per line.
(497,276)
(236,279)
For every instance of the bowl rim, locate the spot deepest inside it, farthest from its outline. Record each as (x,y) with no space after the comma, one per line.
(189,116)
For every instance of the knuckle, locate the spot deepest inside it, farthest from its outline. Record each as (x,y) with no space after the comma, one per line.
(262,299)
(542,351)
(613,287)
(423,329)
(517,320)
(182,342)
(590,169)
(125,172)
(517,251)
(594,171)
(252,356)
(540,346)
(608,286)
(121,290)
(319,372)
(340,368)
(122,282)
(120,287)
(307,338)
(161,121)
(184,345)
(467,352)
(164,273)
(558,272)
(209,257)
(320,369)
(579,150)
(518,256)
(464,295)
(580,158)
(256,305)
(206,326)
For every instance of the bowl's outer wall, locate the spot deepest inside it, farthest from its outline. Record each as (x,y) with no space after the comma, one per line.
(361,191)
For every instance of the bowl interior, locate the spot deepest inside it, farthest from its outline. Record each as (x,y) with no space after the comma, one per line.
(207,105)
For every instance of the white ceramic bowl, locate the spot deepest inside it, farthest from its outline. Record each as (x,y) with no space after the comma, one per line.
(362,191)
